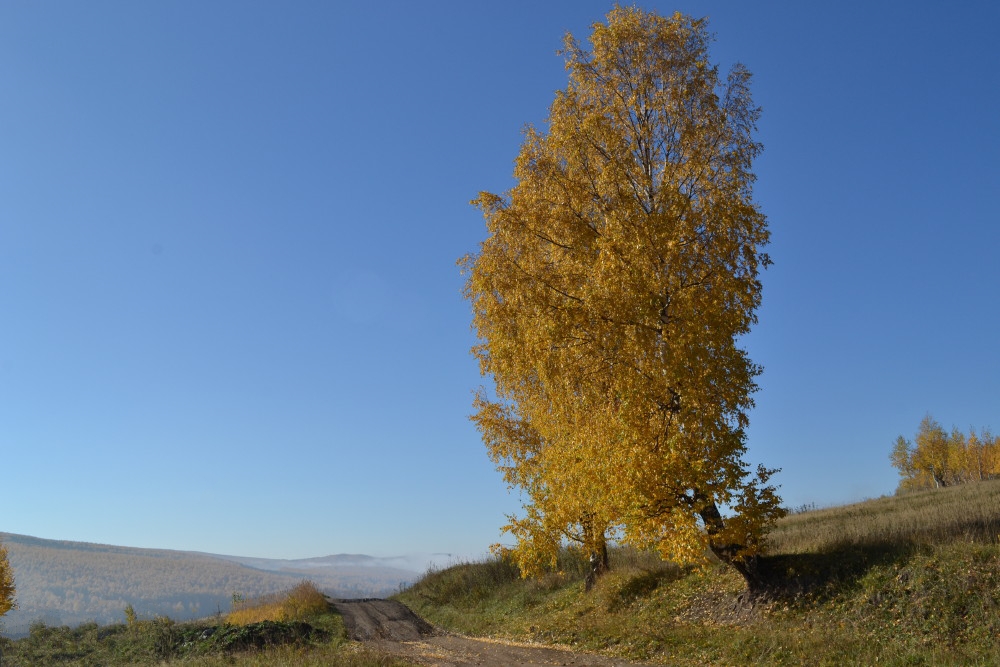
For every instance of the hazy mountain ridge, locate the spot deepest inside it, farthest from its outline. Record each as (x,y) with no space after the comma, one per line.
(417,563)
(63,582)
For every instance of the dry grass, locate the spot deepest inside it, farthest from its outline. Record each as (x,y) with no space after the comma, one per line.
(297,604)
(968,512)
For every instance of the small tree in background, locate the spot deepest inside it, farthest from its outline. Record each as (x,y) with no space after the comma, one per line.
(7,591)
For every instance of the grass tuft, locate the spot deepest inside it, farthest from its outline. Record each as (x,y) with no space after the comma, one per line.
(298,604)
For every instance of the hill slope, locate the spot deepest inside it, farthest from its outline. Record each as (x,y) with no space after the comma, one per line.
(905,580)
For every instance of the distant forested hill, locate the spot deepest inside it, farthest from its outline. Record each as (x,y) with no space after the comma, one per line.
(66,583)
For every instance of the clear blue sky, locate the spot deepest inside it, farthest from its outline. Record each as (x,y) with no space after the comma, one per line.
(230,316)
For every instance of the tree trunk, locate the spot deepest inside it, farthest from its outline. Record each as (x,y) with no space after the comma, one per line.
(747,566)
(597,548)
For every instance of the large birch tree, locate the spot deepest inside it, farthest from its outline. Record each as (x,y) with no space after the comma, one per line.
(609,297)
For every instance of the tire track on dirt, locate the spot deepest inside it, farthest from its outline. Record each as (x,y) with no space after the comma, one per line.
(392,627)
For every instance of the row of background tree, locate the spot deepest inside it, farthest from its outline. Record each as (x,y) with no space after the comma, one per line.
(937,458)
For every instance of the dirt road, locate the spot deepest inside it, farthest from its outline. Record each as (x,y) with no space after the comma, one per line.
(373,619)
(392,627)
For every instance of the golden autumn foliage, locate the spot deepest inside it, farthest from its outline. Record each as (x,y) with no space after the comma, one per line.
(609,296)
(7,601)
(938,458)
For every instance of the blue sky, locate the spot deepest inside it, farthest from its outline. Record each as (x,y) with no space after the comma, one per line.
(230,316)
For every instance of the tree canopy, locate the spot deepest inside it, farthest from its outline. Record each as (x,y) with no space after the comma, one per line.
(609,297)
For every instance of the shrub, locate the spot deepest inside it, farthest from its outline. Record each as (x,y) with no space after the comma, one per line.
(297,604)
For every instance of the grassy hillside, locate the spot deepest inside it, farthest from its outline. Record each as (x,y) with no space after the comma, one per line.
(909,580)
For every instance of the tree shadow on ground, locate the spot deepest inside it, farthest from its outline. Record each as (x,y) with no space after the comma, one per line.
(833,568)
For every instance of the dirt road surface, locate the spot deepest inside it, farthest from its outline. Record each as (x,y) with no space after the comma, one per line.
(392,627)
(372,619)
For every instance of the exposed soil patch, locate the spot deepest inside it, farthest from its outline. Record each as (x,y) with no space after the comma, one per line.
(392,627)
(371,619)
